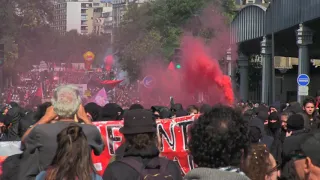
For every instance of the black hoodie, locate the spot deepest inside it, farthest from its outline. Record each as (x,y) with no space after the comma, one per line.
(12,120)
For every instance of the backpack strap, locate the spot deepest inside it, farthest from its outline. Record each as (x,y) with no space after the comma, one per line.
(133,163)
(163,164)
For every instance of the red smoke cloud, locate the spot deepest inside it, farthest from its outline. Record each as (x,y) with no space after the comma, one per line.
(200,71)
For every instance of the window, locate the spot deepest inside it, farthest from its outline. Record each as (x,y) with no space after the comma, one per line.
(251,1)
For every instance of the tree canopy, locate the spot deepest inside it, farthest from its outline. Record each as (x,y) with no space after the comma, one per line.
(28,37)
(164,20)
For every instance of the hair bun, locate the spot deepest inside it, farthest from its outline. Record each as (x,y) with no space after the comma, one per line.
(74,131)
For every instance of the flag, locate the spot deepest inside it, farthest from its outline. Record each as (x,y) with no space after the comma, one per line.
(39,92)
(101,98)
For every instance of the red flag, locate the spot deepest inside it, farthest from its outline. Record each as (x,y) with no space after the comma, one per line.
(39,92)
(171,66)
(111,83)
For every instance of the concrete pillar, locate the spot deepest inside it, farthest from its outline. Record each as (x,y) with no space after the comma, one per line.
(244,82)
(230,69)
(266,57)
(229,62)
(304,38)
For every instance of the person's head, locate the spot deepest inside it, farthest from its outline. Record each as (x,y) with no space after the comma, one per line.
(272,109)
(73,156)
(260,164)
(219,138)
(111,111)
(284,118)
(295,122)
(274,121)
(93,110)
(66,101)
(136,106)
(193,109)
(41,110)
(205,108)
(263,116)
(255,134)
(309,105)
(307,158)
(139,129)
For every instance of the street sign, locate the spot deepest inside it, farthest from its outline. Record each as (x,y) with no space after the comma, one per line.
(303,80)
(149,81)
(303,90)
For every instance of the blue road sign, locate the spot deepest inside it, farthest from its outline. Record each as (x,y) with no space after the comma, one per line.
(149,81)
(303,80)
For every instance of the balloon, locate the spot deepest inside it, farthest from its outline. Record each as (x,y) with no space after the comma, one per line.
(88,56)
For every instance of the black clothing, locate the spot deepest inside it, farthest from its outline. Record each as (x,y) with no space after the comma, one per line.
(120,171)
(39,147)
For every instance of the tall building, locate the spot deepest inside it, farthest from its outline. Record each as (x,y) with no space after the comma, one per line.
(245,2)
(120,8)
(76,15)
(102,16)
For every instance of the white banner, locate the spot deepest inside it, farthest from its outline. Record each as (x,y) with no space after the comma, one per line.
(9,148)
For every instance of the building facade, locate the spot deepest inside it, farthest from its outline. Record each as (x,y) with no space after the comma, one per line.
(79,15)
(245,2)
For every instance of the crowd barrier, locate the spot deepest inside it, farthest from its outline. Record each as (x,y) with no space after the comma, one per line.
(173,133)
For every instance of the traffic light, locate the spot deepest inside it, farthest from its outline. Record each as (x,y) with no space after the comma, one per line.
(1,54)
(177,58)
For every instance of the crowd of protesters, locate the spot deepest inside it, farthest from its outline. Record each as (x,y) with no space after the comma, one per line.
(257,142)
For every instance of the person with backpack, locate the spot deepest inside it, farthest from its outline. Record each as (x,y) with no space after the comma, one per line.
(140,159)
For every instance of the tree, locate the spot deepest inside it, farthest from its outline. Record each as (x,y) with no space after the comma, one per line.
(21,18)
(166,17)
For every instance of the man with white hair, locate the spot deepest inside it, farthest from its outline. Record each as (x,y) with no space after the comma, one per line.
(39,144)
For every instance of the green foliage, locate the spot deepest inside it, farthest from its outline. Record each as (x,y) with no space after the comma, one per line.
(168,19)
(19,18)
(135,54)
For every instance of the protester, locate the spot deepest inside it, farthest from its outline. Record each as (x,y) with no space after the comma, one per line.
(40,143)
(219,141)
(304,153)
(260,164)
(311,121)
(93,111)
(72,159)
(141,154)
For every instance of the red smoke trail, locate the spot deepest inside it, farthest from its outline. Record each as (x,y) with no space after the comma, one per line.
(202,73)
(199,73)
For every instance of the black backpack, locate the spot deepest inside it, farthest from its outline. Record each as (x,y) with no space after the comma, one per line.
(154,170)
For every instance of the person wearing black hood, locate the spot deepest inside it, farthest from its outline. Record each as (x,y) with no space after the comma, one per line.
(141,153)
(258,122)
(93,111)
(273,128)
(111,112)
(11,121)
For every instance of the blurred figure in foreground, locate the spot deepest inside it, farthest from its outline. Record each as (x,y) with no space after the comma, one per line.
(73,157)
(219,142)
